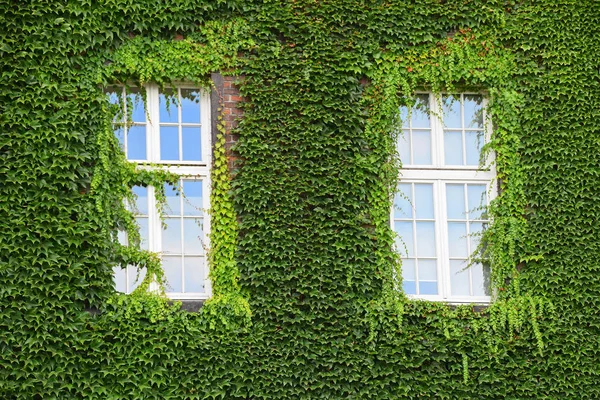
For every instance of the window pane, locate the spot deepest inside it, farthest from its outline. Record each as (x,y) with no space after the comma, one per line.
(421,147)
(141,201)
(402,207)
(475,231)
(136,142)
(453,150)
(120,135)
(135,100)
(192,203)
(473,111)
(451,110)
(120,278)
(191,146)
(144,232)
(192,234)
(473,144)
(420,112)
(167,106)
(477,199)
(425,239)
(409,287)
(173,206)
(406,242)
(122,238)
(190,106)
(427,270)
(404,147)
(403,110)
(173,274)
(408,270)
(459,279)
(171,236)
(194,268)
(169,143)
(480,276)
(424,200)
(134,278)
(114,94)
(457,239)
(455,201)
(427,287)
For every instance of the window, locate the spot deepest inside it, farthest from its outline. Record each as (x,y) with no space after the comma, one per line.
(174,130)
(439,210)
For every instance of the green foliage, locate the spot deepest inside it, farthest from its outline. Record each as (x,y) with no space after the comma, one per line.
(306,300)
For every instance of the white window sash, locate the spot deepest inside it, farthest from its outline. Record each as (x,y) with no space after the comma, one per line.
(439,175)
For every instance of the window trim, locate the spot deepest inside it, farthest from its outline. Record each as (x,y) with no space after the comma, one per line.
(438,174)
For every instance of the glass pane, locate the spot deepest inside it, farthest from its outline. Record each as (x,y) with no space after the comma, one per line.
(122,237)
(424,200)
(451,110)
(191,146)
(459,278)
(410,287)
(192,202)
(192,236)
(171,236)
(114,94)
(473,111)
(480,277)
(173,206)
(420,112)
(427,287)
(141,201)
(473,144)
(475,231)
(427,270)
(402,207)
(144,232)
(406,242)
(404,147)
(425,239)
(457,239)
(120,135)
(408,270)
(167,106)
(190,106)
(136,142)
(453,150)
(477,199)
(169,143)
(455,201)
(421,147)
(194,274)
(135,100)
(173,274)
(120,278)
(403,110)
(134,278)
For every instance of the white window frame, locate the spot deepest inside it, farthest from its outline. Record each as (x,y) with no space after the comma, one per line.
(438,174)
(186,169)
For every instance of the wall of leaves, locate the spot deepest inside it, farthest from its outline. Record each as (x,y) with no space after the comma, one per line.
(310,256)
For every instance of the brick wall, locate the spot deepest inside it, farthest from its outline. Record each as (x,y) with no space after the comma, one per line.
(225,101)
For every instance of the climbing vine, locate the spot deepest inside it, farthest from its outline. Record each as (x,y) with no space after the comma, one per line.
(306,284)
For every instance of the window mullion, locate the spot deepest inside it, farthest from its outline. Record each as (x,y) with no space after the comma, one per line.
(468,238)
(415,239)
(179,127)
(154,123)
(443,239)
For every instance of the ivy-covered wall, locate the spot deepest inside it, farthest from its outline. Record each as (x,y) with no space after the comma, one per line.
(305,300)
